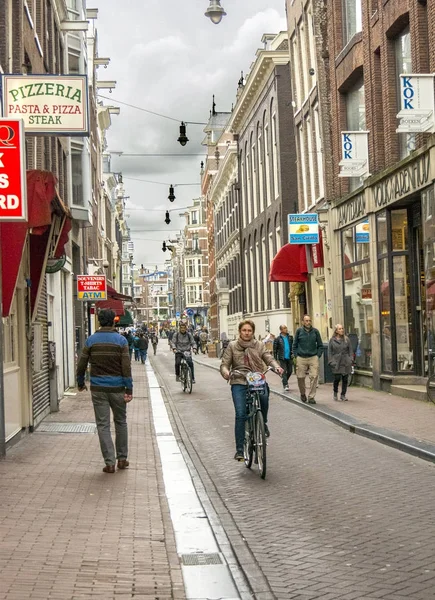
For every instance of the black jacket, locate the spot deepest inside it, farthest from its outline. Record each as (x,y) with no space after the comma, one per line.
(278,347)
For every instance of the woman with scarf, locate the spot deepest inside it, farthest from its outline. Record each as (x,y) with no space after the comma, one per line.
(246,352)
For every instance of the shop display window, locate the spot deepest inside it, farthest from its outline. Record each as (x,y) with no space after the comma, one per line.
(357,285)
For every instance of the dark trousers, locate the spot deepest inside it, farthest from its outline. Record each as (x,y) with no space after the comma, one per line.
(143,354)
(238,392)
(287,366)
(189,361)
(343,379)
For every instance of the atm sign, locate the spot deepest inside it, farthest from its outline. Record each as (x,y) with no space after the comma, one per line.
(13,193)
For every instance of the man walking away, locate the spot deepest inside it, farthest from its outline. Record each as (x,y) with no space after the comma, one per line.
(203,337)
(308,348)
(143,347)
(111,387)
(283,352)
(154,342)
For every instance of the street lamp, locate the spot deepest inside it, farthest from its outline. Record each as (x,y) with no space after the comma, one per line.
(183,139)
(171,196)
(215,12)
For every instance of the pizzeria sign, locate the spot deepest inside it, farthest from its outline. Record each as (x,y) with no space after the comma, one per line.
(48,104)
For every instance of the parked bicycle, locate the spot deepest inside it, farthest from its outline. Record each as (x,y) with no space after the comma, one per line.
(255,444)
(430,385)
(186,373)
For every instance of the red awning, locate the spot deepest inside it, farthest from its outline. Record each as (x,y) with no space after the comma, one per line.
(290,264)
(112,293)
(42,201)
(63,237)
(111,304)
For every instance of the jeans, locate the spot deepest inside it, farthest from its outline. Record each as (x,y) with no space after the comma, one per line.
(344,379)
(189,361)
(239,392)
(287,366)
(136,354)
(104,403)
(143,355)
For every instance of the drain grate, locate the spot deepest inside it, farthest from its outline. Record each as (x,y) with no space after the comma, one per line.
(200,558)
(51,427)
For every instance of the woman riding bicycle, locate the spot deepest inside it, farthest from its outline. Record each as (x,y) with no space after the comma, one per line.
(248,353)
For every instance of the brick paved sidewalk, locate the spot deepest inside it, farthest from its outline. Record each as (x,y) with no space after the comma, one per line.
(68,531)
(406,417)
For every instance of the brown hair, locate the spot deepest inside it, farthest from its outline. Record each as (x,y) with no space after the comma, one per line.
(247,322)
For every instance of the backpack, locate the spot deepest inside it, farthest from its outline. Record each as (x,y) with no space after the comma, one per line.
(175,338)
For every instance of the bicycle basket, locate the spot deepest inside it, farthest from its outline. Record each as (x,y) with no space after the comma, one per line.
(254,379)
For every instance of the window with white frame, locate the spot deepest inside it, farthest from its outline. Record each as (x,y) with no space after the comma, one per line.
(272,287)
(267,165)
(193,268)
(311,167)
(280,285)
(355,118)
(275,155)
(77,174)
(311,44)
(305,66)
(254,177)
(319,151)
(260,169)
(248,186)
(296,79)
(402,49)
(352,19)
(302,166)
(194,217)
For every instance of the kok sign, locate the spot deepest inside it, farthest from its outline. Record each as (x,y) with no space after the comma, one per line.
(48,104)
(355,153)
(303,228)
(13,197)
(417,103)
(91,287)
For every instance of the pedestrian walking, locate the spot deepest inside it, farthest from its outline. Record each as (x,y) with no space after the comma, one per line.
(340,360)
(136,347)
(203,338)
(143,347)
(154,342)
(283,353)
(111,387)
(307,348)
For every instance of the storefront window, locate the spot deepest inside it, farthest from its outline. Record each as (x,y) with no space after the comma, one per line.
(402,308)
(357,285)
(384,300)
(428,212)
(399,229)
(382,236)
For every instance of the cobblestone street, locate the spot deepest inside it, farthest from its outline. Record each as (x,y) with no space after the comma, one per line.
(338,516)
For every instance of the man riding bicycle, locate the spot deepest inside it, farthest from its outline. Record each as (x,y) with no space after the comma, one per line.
(182,341)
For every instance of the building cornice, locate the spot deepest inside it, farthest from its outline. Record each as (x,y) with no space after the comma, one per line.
(262,69)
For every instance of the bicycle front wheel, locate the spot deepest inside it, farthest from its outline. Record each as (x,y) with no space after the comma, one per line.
(183,376)
(248,446)
(260,443)
(430,388)
(188,380)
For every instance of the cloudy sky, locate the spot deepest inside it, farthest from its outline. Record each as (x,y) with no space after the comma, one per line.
(167,57)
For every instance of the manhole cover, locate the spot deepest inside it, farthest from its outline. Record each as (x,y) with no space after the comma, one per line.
(51,427)
(201,558)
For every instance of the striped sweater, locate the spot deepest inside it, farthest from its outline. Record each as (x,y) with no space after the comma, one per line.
(107,351)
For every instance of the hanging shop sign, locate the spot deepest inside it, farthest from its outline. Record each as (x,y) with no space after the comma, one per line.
(417,104)
(55,264)
(13,189)
(355,154)
(91,287)
(362,232)
(48,104)
(303,228)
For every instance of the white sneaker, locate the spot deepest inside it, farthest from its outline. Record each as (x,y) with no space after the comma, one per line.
(286,389)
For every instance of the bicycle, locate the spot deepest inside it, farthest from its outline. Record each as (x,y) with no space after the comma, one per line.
(430,384)
(255,434)
(186,373)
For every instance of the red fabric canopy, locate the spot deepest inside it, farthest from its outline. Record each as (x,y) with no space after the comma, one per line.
(111,304)
(290,264)
(63,237)
(41,192)
(112,293)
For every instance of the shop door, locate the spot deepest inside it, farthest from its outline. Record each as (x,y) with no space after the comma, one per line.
(407,294)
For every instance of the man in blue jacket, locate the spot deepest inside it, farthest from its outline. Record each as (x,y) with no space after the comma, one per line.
(308,348)
(111,387)
(283,352)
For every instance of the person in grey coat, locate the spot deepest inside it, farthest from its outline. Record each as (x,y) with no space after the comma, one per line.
(340,360)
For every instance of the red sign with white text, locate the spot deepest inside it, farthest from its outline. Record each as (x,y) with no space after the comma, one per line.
(91,287)
(13,196)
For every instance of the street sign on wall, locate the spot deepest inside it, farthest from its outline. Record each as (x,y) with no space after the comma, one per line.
(303,228)
(91,287)
(13,191)
(48,104)
(355,154)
